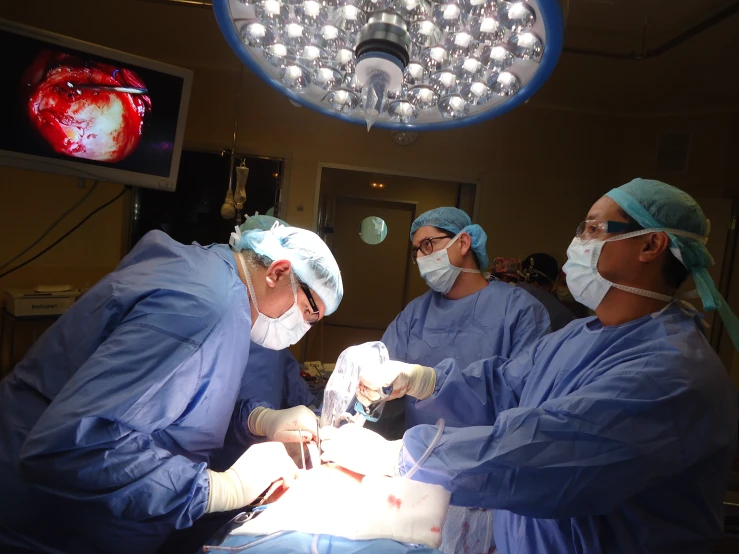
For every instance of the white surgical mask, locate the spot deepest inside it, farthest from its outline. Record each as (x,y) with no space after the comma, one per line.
(585,282)
(438,271)
(280,332)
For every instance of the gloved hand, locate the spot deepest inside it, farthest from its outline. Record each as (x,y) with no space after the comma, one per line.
(250,476)
(360,450)
(283,425)
(411,379)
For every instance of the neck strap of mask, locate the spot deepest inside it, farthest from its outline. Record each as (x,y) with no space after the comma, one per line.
(463,269)
(249,284)
(647,293)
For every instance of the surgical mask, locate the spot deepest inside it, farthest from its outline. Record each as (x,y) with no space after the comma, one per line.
(280,332)
(438,271)
(587,285)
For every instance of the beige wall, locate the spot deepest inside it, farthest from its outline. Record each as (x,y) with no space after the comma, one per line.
(30,202)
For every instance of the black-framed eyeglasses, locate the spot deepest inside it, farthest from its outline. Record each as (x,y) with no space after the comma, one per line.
(312,303)
(593,228)
(426,247)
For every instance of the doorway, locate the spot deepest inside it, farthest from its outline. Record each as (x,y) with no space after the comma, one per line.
(365,217)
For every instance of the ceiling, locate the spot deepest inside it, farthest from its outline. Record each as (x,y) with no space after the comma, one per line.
(598,71)
(628,25)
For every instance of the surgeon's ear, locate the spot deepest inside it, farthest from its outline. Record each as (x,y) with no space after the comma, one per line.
(654,246)
(278,271)
(465,242)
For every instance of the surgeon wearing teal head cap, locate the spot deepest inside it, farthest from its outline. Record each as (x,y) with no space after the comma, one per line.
(462,317)
(639,244)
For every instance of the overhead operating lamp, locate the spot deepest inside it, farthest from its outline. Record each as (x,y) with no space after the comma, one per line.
(398,64)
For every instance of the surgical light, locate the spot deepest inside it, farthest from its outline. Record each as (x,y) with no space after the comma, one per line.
(398,64)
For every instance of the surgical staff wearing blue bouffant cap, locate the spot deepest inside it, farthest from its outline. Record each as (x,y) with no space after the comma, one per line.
(106,424)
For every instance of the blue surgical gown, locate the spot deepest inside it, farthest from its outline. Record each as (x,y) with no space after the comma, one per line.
(106,423)
(272,380)
(606,439)
(559,314)
(499,320)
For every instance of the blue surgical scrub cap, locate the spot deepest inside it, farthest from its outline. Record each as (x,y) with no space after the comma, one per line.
(260,223)
(657,205)
(455,221)
(311,260)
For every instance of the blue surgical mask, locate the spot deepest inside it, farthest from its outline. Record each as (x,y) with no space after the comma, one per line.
(438,271)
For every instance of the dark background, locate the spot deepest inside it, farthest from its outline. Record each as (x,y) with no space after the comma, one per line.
(193,212)
(154,153)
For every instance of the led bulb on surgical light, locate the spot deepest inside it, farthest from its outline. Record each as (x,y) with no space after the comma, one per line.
(526,46)
(517,17)
(272,12)
(257,35)
(413,10)
(311,13)
(343,100)
(425,33)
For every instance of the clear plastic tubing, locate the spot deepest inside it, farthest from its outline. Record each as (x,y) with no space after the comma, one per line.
(429,450)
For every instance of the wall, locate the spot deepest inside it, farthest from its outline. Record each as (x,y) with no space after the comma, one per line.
(30,202)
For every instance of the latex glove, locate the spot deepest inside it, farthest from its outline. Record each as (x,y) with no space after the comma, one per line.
(360,450)
(411,379)
(283,425)
(250,476)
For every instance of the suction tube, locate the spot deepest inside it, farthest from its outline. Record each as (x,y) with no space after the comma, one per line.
(429,450)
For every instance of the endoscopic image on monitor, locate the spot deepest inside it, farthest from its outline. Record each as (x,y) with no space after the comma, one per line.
(68,104)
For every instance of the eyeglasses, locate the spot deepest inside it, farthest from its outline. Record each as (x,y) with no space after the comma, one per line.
(594,228)
(315,315)
(426,247)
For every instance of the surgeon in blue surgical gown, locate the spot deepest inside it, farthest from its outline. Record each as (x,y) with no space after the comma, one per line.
(271,381)
(462,317)
(615,434)
(106,424)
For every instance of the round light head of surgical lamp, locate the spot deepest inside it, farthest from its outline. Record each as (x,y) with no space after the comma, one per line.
(398,64)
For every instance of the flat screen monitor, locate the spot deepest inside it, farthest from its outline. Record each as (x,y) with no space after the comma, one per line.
(75,108)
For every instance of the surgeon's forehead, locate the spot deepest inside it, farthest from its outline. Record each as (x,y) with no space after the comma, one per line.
(425,232)
(605,209)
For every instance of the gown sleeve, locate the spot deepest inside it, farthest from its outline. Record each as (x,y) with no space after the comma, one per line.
(576,455)
(95,440)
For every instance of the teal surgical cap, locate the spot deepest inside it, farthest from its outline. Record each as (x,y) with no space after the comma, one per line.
(260,223)
(455,221)
(656,205)
(310,258)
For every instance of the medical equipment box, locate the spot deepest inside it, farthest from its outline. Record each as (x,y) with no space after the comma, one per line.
(29,303)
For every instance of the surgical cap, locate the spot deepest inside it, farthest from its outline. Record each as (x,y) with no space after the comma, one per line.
(455,221)
(310,258)
(656,205)
(260,223)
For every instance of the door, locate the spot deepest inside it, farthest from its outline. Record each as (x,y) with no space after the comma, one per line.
(375,276)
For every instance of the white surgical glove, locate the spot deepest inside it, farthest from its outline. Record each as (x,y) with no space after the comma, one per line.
(411,379)
(360,450)
(250,476)
(283,425)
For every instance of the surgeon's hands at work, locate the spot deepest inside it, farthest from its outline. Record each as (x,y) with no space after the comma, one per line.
(283,425)
(250,476)
(360,450)
(411,379)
